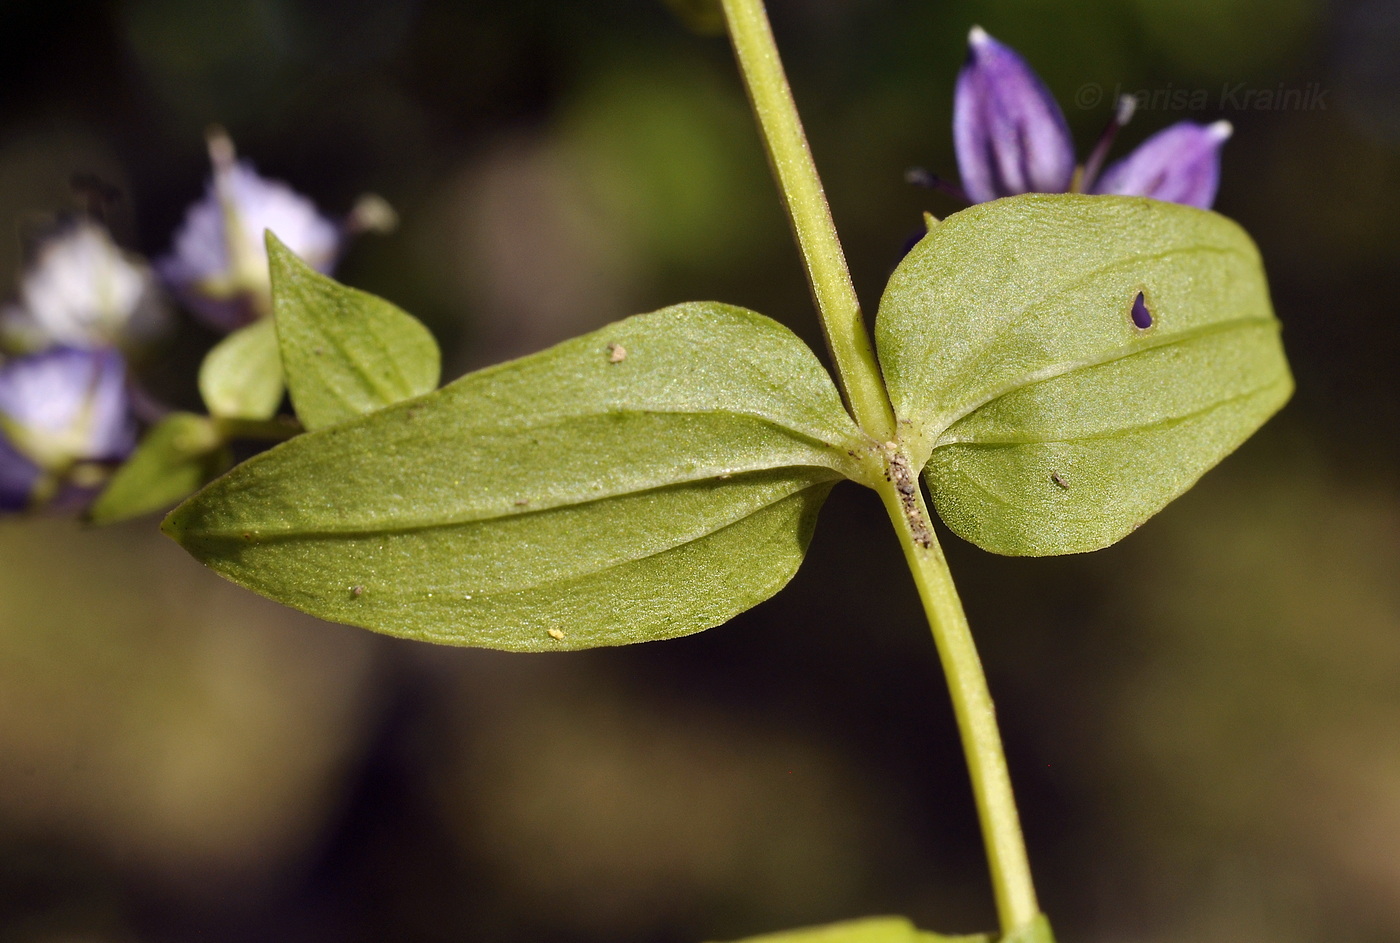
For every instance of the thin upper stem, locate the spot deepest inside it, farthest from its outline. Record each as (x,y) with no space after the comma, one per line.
(858,375)
(846,337)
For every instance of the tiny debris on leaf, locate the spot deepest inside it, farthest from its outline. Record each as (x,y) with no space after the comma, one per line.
(357,591)
(616,353)
(1057,479)
(556,634)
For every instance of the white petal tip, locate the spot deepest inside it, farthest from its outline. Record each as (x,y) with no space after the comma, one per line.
(221,150)
(1127,105)
(1221,130)
(977,36)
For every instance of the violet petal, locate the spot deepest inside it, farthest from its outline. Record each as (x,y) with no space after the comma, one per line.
(68,404)
(1142,317)
(1009,134)
(18,476)
(1179,164)
(201,265)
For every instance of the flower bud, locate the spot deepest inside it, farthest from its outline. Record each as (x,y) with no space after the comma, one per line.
(1179,164)
(1009,134)
(59,411)
(81,290)
(218,265)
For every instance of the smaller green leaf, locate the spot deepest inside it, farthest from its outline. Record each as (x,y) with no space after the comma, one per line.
(179,455)
(241,378)
(345,352)
(869,930)
(705,17)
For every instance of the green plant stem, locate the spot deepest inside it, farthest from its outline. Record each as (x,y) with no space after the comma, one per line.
(825,262)
(973,708)
(858,375)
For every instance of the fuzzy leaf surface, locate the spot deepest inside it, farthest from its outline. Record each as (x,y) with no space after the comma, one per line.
(1046,420)
(648,480)
(344,352)
(241,376)
(180,454)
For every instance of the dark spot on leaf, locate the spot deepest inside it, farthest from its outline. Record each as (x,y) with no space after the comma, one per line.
(357,591)
(1057,479)
(1142,318)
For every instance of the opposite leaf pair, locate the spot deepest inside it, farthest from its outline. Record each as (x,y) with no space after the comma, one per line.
(577,498)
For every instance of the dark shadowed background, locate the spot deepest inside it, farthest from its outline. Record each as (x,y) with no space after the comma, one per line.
(1203,722)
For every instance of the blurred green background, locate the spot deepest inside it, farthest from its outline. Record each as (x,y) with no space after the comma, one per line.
(1203,721)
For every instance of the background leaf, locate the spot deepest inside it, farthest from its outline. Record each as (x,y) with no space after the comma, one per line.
(178,455)
(1050,422)
(241,377)
(705,17)
(867,930)
(344,352)
(648,480)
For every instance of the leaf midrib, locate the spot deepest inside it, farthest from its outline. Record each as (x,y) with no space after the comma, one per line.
(367,532)
(939,428)
(1164,423)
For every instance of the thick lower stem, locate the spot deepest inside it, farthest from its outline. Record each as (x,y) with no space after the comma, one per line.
(972,706)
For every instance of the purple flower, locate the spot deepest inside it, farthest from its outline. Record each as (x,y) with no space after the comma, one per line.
(1011,137)
(218,265)
(61,411)
(1009,134)
(1179,164)
(81,290)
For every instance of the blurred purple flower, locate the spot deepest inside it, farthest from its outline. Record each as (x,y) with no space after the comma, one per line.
(1011,137)
(81,290)
(60,411)
(218,265)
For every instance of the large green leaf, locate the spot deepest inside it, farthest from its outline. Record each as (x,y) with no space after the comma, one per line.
(344,352)
(648,480)
(1048,420)
(241,376)
(180,453)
